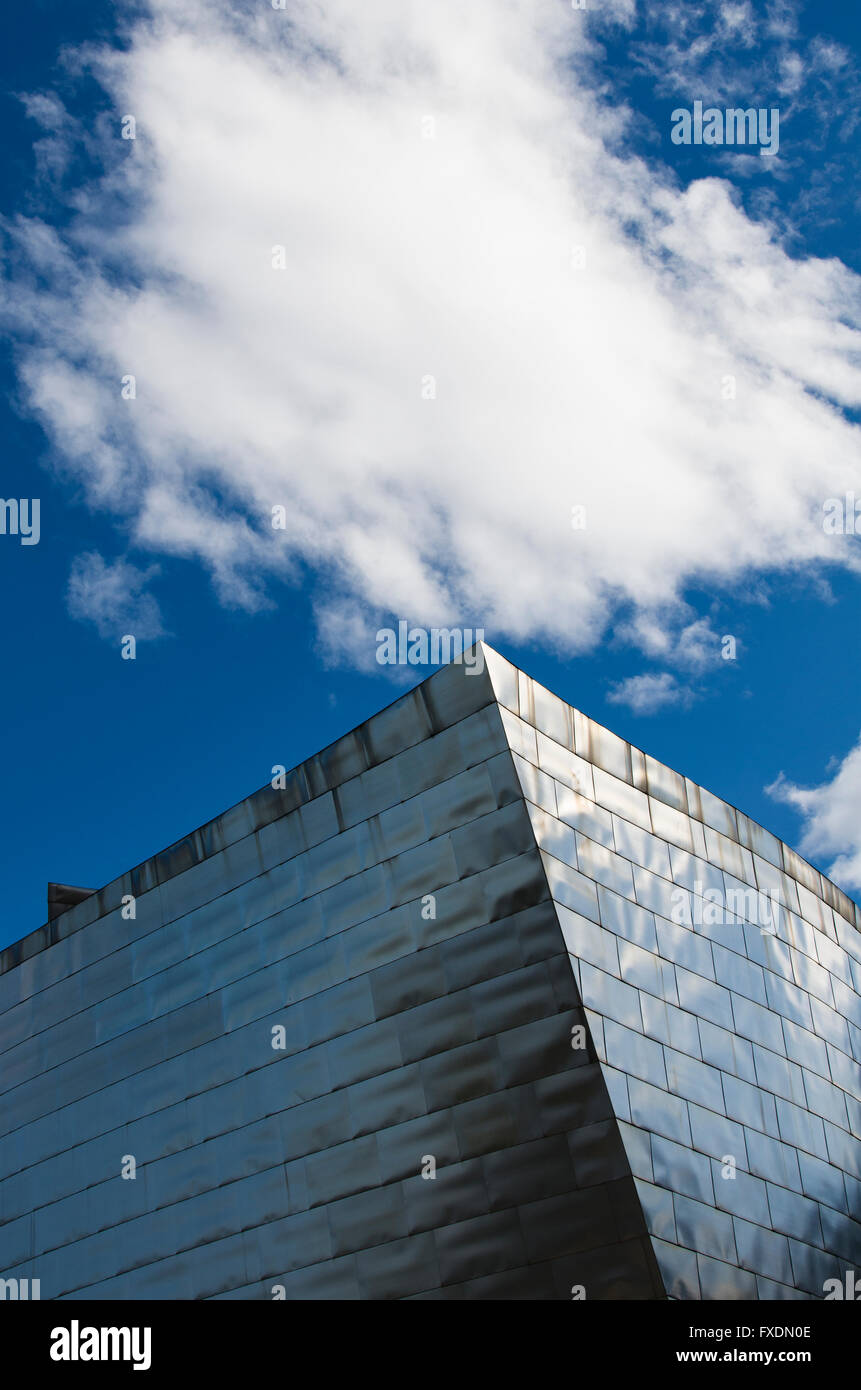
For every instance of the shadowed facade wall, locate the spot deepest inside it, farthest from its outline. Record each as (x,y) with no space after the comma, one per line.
(411,1030)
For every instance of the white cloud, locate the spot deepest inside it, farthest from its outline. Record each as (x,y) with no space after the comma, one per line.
(831,819)
(113,597)
(650,693)
(691,646)
(447,257)
(791,74)
(54,149)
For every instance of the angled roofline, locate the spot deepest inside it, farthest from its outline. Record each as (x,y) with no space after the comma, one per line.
(344,758)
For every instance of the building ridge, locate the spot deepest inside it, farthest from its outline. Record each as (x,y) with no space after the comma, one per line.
(95,905)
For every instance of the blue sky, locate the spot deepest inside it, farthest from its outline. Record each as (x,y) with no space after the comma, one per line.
(255,660)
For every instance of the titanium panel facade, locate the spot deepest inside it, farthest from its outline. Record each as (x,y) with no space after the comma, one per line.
(380,969)
(728,1027)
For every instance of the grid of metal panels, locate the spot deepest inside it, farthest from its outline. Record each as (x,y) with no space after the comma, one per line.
(427,910)
(730,1037)
(412,1030)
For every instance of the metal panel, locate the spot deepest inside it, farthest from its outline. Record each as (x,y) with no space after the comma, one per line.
(426,1124)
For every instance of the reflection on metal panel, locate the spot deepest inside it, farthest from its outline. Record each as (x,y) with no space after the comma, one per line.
(479,1004)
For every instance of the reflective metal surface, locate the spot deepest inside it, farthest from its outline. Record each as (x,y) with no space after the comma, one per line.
(427,921)
(738,1087)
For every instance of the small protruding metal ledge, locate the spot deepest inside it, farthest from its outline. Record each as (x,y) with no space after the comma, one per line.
(62,896)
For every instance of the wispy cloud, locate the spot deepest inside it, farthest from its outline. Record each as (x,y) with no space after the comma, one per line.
(830,818)
(113,597)
(650,693)
(692,646)
(758,55)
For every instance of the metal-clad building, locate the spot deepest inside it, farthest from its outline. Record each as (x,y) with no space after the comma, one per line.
(481,1003)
